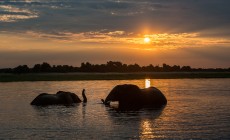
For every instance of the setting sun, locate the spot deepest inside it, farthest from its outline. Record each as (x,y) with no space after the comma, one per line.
(146,39)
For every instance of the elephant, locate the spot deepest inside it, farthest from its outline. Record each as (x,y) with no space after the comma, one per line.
(131,96)
(60,98)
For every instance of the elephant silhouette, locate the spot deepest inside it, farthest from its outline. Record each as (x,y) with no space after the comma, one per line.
(60,98)
(132,97)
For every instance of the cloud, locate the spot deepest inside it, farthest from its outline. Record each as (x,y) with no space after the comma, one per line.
(135,41)
(162,16)
(12,14)
(107,39)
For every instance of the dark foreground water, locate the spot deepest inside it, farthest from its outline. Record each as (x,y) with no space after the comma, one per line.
(196,109)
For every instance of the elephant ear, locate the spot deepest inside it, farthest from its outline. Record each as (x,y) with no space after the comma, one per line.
(131,89)
(125,94)
(64,97)
(153,97)
(130,97)
(39,99)
(112,96)
(129,93)
(75,98)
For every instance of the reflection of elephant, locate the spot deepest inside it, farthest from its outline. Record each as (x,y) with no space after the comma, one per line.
(60,98)
(131,96)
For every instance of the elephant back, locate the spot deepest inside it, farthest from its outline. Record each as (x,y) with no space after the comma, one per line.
(129,95)
(153,97)
(66,97)
(75,98)
(44,99)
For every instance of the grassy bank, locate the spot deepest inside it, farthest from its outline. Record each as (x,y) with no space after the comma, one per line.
(108,76)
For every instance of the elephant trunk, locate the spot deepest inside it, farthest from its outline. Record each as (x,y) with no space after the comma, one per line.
(109,99)
(83,95)
(105,102)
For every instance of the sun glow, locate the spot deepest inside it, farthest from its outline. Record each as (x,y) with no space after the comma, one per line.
(147,40)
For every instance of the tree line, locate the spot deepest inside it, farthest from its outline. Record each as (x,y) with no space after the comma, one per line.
(111,66)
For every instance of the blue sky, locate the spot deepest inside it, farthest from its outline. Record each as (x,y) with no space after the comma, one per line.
(182,32)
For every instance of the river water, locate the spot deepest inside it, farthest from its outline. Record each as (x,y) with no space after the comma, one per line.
(196,109)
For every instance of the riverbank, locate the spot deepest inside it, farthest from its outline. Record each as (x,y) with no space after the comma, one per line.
(108,76)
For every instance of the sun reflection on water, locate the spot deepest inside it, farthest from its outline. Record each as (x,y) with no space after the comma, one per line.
(146,130)
(147,83)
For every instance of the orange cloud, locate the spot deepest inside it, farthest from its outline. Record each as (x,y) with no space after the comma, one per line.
(123,39)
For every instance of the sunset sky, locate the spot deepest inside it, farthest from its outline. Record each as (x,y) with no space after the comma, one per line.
(181,32)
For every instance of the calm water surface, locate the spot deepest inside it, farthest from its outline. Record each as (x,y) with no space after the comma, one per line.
(196,109)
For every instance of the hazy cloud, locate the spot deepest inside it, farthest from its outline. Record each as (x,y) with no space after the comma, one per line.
(196,57)
(127,15)
(10,13)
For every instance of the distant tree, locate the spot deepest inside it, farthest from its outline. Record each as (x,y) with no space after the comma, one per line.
(110,66)
(166,67)
(45,67)
(86,67)
(36,68)
(124,68)
(114,66)
(158,68)
(134,68)
(21,69)
(186,68)
(150,68)
(175,68)
(6,70)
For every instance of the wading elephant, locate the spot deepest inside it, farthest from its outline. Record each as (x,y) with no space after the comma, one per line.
(60,98)
(132,97)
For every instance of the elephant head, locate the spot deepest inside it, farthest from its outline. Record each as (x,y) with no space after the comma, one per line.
(131,96)
(122,93)
(60,98)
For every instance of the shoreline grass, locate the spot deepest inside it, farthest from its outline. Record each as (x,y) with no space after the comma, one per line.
(109,76)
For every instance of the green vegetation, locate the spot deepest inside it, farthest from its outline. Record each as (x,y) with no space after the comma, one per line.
(108,76)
